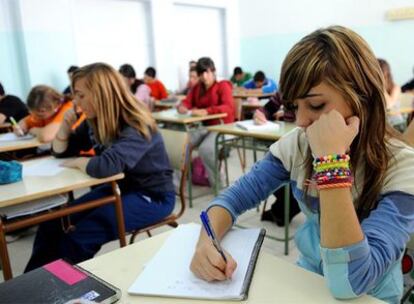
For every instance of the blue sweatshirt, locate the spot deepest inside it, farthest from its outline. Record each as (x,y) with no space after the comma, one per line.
(372,266)
(145,163)
(269,85)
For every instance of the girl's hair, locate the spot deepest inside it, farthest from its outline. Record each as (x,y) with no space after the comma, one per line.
(342,59)
(42,96)
(128,71)
(386,70)
(114,105)
(204,64)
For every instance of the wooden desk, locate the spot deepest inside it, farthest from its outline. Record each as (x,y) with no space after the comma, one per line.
(10,146)
(246,93)
(34,187)
(164,105)
(6,127)
(173,116)
(257,138)
(232,129)
(274,281)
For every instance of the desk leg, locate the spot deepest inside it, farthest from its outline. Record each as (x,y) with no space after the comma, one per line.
(4,254)
(216,164)
(286,219)
(119,213)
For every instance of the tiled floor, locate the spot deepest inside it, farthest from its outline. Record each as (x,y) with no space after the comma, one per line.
(20,249)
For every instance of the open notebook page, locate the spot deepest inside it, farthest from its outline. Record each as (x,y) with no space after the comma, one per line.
(44,167)
(13,137)
(168,273)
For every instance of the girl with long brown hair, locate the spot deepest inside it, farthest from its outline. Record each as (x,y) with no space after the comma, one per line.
(125,139)
(352,175)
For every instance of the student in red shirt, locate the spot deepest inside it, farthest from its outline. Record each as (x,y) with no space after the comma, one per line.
(158,90)
(208,96)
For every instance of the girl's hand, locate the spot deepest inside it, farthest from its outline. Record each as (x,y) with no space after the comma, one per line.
(208,264)
(76,163)
(20,129)
(182,109)
(259,118)
(332,134)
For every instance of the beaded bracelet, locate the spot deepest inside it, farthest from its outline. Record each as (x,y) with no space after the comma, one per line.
(332,171)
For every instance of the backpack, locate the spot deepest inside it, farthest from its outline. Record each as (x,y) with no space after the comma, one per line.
(10,172)
(199,175)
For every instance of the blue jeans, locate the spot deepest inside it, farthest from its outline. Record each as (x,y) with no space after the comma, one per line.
(95,227)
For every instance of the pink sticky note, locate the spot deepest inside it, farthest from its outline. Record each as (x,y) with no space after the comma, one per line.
(66,272)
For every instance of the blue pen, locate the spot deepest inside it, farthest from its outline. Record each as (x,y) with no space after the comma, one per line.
(211,234)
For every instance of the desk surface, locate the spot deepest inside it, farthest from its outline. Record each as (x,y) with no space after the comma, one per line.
(247,93)
(173,116)
(275,281)
(247,105)
(232,129)
(33,187)
(6,125)
(8,146)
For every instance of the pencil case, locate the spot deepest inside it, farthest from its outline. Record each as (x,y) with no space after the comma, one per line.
(10,172)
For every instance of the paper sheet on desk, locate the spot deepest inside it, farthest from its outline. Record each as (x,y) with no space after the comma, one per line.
(45,167)
(13,137)
(168,273)
(250,125)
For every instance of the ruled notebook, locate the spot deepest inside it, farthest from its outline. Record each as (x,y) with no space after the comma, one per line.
(57,282)
(168,273)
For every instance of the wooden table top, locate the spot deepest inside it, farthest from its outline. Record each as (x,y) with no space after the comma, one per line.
(233,129)
(173,116)
(274,280)
(38,186)
(9,146)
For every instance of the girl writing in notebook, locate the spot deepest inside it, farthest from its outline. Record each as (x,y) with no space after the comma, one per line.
(125,139)
(350,172)
(47,108)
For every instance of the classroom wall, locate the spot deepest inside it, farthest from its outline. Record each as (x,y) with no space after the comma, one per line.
(38,40)
(269,28)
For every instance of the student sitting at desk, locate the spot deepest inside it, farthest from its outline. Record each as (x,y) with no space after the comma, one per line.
(126,141)
(158,90)
(11,106)
(240,77)
(208,96)
(141,91)
(349,170)
(261,84)
(272,110)
(47,108)
(67,91)
(192,81)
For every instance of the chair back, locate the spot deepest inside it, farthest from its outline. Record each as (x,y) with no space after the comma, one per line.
(178,147)
(177,144)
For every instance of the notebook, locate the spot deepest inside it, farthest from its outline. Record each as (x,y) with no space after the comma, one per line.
(33,206)
(168,273)
(58,282)
(250,125)
(13,137)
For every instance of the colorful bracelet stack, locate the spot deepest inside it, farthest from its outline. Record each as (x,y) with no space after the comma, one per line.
(332,171)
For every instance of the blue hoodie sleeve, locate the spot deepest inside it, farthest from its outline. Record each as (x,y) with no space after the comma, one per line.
(264,178)
(121,156)
(270,86)
(354,270)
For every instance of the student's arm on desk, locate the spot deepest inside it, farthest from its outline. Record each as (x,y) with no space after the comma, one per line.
(265,176)
(47,133)
(2,118)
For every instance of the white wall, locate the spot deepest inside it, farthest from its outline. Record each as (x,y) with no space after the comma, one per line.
(274,26)
(44,37)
